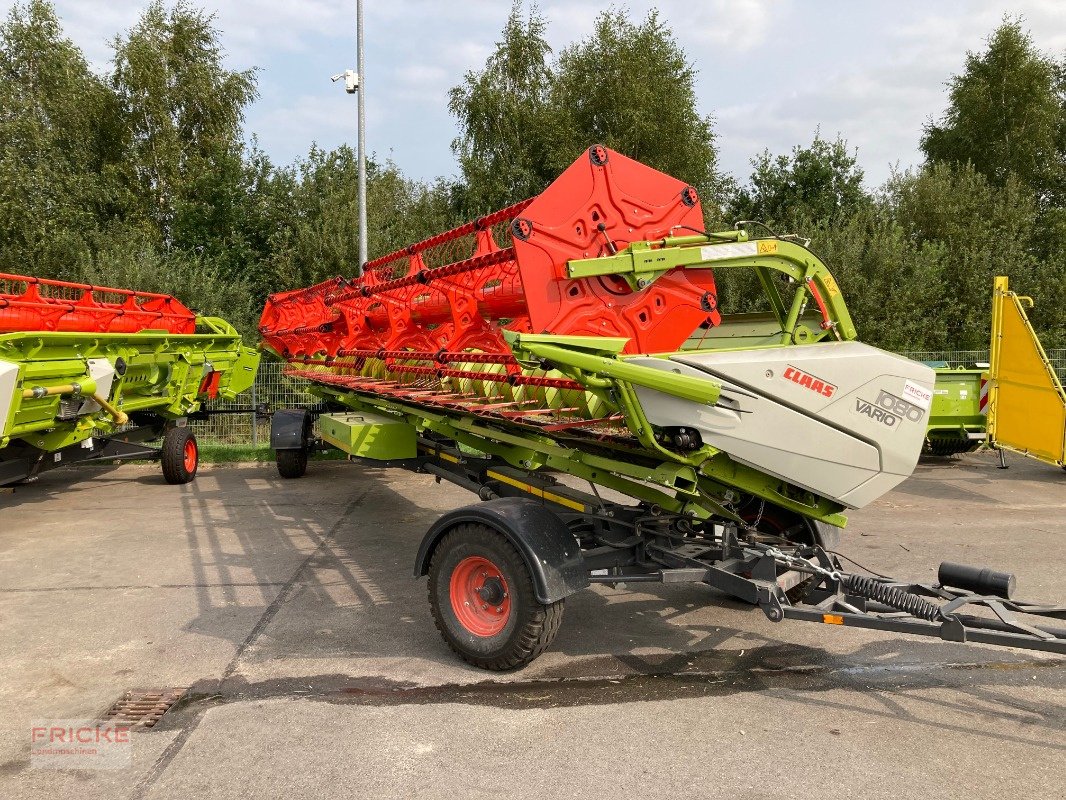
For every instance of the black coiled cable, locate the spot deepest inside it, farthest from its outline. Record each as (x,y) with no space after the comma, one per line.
(894,596)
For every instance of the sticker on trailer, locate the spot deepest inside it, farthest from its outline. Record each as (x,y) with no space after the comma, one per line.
(917,394)
(720,252)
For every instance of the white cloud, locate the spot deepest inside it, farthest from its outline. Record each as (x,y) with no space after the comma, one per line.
(731,25)
(734,25)
(879,104)
(251,28)
(306,119)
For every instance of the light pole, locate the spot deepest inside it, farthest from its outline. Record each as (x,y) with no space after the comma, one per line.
(362,134)
(353,84)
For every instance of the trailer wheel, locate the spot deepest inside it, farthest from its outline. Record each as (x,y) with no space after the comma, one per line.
(483,603)
(181,456)
(291,463)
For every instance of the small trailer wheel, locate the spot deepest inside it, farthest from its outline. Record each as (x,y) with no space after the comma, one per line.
(483,603)
(181,456)
(291,463)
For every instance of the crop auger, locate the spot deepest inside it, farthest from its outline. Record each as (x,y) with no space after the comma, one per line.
(578,338)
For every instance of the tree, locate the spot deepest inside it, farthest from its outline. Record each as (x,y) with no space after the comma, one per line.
(317,238)
(181,112)
(822,182)
(129,257)
(630,86)
(56,119)
(986,230)
(1007,116)
(505,120)
(228,211)
(814,191)
(894,284)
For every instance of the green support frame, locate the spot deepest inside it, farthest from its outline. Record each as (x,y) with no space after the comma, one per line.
(162,373)
(641,263)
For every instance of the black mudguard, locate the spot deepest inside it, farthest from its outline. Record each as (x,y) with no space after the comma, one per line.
(290,429)
(546,544)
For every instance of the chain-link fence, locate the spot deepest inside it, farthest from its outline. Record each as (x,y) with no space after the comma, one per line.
(240,424)
(274,390)
(969,358)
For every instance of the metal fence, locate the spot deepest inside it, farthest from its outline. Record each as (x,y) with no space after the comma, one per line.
(968,358)
(274,390)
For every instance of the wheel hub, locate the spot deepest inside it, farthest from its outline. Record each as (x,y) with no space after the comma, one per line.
(479,596)
(492,591)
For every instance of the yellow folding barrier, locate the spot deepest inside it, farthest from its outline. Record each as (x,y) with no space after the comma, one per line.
(1027,404)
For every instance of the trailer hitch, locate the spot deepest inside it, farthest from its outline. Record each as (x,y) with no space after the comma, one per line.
(841,598)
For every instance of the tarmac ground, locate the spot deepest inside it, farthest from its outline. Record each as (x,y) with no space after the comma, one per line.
(287,611)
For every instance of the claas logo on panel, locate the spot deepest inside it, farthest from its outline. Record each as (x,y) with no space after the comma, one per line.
(808,381)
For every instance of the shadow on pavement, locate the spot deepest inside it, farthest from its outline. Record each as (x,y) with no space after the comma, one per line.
(352,597)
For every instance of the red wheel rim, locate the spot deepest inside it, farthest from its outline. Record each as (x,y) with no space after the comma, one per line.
(772,524)
(190,456)
(768,520)
(480,597)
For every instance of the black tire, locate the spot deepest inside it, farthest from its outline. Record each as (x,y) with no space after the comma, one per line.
(772,519)
(291,463)
(181,456)
(527,627)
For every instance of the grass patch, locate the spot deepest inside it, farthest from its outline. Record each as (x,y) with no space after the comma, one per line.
(232,453)
(237,453)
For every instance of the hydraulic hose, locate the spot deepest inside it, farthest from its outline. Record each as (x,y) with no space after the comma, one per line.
(88,389)
(120,417)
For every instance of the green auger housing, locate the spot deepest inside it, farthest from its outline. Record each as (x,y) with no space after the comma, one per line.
(69,395)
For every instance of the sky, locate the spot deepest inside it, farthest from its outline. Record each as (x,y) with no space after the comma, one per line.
(770,72)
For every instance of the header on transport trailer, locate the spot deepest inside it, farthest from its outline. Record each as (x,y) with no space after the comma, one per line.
(92,373)
(582,333)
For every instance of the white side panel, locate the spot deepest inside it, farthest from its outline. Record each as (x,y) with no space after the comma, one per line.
(9,374)
(842,419)
(769,436)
